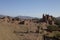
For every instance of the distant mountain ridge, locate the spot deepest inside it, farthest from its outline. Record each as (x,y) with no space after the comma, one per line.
(2,16)
(26,17)
(21,17)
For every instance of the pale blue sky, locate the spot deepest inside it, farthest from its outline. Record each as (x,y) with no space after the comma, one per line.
(34,8)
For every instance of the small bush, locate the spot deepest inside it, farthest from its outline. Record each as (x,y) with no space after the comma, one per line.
(52,28)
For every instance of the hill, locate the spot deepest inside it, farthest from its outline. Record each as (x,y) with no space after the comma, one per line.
(58,18)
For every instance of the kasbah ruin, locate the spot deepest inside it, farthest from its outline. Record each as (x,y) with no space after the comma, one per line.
(31,29)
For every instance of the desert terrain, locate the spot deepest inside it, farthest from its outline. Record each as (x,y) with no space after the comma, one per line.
(29,29)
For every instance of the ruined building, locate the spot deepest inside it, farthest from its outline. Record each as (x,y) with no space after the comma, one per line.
(48,19)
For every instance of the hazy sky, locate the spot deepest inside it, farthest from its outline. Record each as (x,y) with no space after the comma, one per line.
(34,8)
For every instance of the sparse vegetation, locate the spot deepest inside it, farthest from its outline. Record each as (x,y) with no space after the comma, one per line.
(52,28)
(57,22)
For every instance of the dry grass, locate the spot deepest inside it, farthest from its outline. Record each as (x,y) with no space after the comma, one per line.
(7,32)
